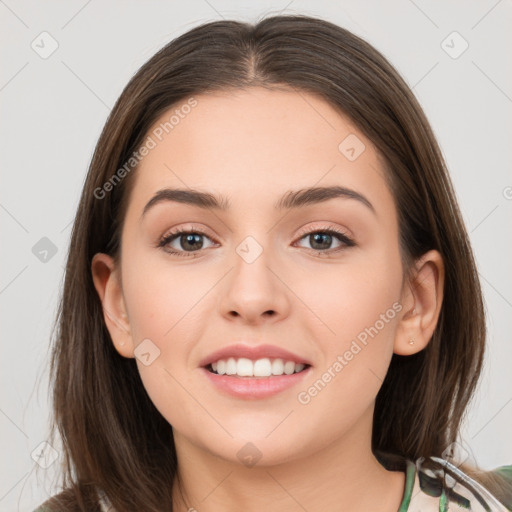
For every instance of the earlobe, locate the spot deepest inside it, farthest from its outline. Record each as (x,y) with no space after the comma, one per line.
(107,283)
(422,297)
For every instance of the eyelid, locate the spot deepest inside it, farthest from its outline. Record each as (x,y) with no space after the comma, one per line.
(341,234)
(302,232)
(325,226)
(187,228)
(346,241)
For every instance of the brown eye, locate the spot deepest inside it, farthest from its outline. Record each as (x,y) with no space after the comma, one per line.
(321,240)
(184,242)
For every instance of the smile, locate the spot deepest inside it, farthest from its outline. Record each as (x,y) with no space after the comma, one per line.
(253,387)
(264,367)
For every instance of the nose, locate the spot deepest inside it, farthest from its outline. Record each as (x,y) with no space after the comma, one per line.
(254,292)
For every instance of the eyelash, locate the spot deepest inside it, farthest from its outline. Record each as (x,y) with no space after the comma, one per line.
(167,239)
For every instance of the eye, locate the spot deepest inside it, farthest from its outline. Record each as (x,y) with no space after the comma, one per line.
(321,240)
(189,240)
(184,242)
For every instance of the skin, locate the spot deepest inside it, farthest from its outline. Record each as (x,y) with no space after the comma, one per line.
(253,146)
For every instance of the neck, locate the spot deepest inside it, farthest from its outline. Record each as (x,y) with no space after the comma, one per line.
(343,475)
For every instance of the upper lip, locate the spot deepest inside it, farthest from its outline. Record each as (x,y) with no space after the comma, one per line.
(253,352)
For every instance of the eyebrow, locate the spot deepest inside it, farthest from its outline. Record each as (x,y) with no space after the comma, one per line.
(291,199)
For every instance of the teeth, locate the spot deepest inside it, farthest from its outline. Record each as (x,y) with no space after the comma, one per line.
(265,367)
(231,366)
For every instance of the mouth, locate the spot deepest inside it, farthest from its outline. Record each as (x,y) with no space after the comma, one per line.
(245,368)
(246,379)
(250,372)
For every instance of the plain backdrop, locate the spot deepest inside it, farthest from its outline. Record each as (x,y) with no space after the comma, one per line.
(53,105)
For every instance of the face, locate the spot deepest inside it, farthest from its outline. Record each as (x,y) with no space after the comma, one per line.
(321,279)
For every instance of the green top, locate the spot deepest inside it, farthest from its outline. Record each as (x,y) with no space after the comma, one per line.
(444,489)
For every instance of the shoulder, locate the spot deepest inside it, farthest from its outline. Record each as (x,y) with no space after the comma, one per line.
(52,504)
(436,484)
(60,502)
(505,474)
(45,507)
(66,501)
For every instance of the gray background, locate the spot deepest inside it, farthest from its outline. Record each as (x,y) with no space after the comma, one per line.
(54,108)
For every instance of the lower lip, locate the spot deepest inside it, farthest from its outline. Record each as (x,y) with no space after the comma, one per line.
(255,387)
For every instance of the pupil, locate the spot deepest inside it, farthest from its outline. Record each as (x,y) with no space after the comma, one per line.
(319,237)
(190,239)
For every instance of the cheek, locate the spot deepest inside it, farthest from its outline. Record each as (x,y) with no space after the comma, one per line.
(169,307)
(161,298)
(348,299)
(358,309)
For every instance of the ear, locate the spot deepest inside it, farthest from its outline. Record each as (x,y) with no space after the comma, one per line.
(107,283)
(422,297)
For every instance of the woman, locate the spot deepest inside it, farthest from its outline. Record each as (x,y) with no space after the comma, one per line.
(270,296)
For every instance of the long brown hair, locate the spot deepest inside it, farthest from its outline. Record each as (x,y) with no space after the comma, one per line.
(114,439)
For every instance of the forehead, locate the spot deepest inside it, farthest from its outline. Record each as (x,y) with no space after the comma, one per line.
(254,144)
